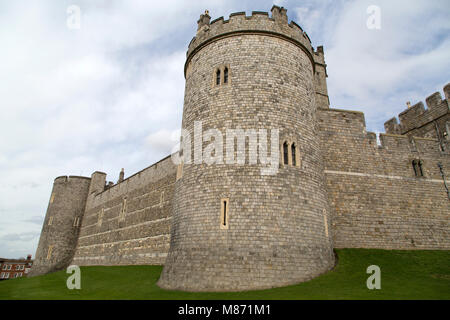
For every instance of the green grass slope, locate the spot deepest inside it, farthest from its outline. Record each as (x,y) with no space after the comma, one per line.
(404,275)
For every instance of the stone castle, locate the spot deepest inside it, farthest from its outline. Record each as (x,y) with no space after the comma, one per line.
(221,227)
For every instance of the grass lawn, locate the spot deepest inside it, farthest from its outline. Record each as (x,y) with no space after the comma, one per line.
(404,275)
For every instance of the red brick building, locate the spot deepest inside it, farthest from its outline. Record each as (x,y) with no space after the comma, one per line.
(15,268)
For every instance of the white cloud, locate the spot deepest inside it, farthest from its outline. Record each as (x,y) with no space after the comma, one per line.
(76,101)
(377,71)
(279,3)
(310,18)
(164,140)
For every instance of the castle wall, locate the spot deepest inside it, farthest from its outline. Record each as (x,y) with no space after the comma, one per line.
(129,223)
(378,201)
(343,191)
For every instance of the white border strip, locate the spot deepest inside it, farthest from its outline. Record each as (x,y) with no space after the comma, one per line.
(141,255)
(122,241)
(369,175)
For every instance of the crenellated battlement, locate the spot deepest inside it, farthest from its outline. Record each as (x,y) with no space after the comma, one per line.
(258,23)
(417,116)
(346,123)
(402,144)
(64,179)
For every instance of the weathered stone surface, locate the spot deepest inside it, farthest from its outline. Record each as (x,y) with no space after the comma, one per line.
(345,191)
(61,229)
(377,200)
(276,232)
(136,234)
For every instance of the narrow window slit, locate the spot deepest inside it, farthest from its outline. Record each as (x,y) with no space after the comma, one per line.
(224,216)
(224,213)
(294,163)
(414,164)
(420,168)
(225,75)
(218,77)
(285,153)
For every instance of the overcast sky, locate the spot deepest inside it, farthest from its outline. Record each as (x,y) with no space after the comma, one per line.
(109,94)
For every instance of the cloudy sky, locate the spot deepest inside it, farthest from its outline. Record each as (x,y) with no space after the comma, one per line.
(110,94)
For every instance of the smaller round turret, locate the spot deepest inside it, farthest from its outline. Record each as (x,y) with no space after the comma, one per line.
(61,225)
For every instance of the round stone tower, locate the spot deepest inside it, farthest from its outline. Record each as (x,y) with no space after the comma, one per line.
(62,222)
(234,227)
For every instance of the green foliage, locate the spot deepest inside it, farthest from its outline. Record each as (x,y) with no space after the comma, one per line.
(404,275)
